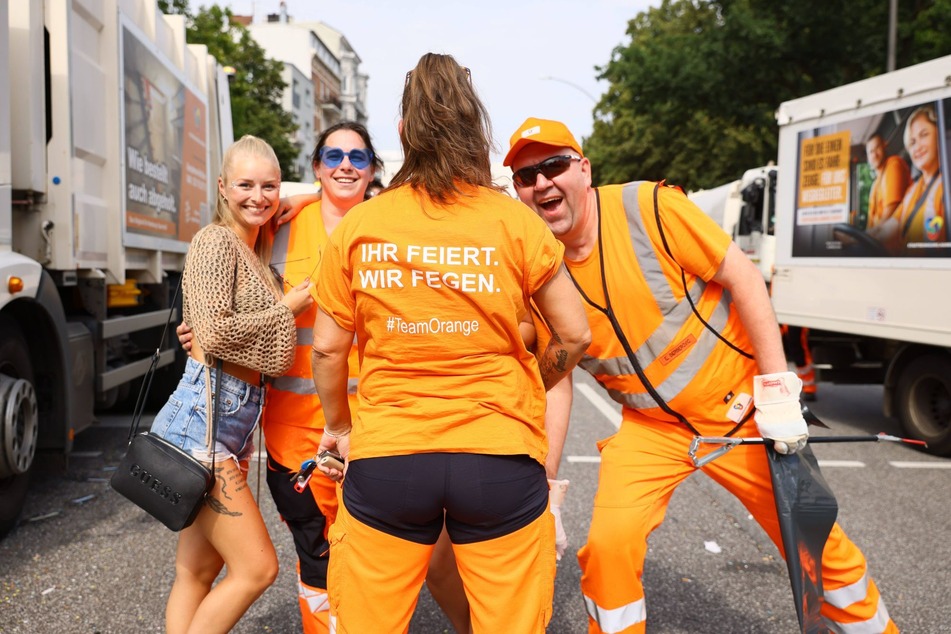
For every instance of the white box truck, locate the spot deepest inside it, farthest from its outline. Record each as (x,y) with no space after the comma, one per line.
(111,135)
(865,276)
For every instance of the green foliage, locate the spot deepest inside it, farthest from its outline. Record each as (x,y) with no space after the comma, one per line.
(256,86)
(692,97)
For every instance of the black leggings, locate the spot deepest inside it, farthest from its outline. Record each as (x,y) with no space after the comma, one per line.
(303,517)
(480,496)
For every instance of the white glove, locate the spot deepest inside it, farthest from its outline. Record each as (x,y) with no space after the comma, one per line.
(778,412)
(557,489)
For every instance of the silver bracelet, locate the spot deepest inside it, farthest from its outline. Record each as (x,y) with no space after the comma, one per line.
(336,434)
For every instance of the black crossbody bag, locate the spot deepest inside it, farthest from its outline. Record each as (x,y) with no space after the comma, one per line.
(158,477)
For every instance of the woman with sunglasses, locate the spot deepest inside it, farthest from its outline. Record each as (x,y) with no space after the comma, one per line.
(344,162)
(433,276)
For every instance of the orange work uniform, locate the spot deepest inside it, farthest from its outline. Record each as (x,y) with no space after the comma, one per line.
(293,422)
(922,215)
(435,295)
(887,189)
(700,377)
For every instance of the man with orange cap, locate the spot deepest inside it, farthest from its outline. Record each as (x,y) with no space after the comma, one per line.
(677,313)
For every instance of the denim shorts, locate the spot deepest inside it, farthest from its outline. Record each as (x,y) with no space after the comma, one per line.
(182,421)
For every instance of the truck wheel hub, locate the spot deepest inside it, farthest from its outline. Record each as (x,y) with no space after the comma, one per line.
(18,426)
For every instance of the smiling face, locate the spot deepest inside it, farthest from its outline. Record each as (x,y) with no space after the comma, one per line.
(343,186)
(560,200)
(251,187)
(922,144)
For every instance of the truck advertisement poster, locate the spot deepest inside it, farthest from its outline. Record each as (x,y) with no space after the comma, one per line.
(873,186)
(164,148)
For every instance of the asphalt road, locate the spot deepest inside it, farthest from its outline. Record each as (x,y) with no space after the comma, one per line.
(84,560)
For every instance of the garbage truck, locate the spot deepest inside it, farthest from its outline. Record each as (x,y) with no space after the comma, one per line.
(850,230)
(112,129)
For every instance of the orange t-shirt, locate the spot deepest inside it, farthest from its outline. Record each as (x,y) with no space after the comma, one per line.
(434,295)
(887,189)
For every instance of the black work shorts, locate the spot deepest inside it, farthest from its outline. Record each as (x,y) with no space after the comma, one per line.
(479,496)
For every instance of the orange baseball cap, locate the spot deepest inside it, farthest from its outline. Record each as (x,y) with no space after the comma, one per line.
(543,131)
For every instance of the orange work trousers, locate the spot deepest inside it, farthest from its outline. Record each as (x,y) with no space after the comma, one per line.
(375,578)
(641,466)
(314,606)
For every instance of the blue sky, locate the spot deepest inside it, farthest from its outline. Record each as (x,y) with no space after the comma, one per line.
(509,46)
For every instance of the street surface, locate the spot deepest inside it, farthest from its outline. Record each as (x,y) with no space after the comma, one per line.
(86,561)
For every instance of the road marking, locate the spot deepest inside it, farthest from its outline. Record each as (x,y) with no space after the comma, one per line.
(613,416)
(584,459)
(848,464)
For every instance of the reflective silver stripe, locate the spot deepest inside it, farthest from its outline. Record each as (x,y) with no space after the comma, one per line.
(618,619)
(847,595)
(875,625)
(316,600)
(305,336)
(298,385)
(679,379)
(282,240)
(294,384)
(675,313)
(644,251)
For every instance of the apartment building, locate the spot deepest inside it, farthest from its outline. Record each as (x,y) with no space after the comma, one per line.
(325,84)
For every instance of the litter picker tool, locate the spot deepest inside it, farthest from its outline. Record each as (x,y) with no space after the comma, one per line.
(726,443)
(806,510)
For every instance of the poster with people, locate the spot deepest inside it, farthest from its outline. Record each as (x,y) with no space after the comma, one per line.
(164,147)
(874,186)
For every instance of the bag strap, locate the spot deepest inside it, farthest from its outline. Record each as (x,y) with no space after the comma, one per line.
(918,205)
(150,373)
(212,400)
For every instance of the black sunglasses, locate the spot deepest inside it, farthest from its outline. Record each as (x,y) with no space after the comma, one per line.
(550,168)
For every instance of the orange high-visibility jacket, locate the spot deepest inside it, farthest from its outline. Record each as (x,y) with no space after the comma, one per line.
(697,374)
(293,418)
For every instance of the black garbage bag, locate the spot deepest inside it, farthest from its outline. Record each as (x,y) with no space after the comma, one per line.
(807,510)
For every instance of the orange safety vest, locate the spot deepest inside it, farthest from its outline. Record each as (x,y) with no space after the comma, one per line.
(293,418)
(688,367)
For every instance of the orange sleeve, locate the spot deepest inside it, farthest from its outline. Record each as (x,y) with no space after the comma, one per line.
(334,295)
(697,243)
(897,176)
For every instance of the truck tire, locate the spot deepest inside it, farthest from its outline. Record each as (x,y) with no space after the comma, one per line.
(19,422)
(923,401)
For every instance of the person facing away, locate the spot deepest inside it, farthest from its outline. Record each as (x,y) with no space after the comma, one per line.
(241,318)
(433,276)
(626,247)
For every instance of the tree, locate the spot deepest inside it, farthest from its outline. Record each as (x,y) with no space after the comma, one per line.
(256,86)
(692,97)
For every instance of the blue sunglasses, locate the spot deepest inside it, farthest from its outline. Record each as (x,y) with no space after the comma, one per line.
(333,156)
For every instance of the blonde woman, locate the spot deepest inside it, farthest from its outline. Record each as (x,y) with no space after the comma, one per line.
(240,317)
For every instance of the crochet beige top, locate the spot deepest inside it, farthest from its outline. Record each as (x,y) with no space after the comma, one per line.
(236,315)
